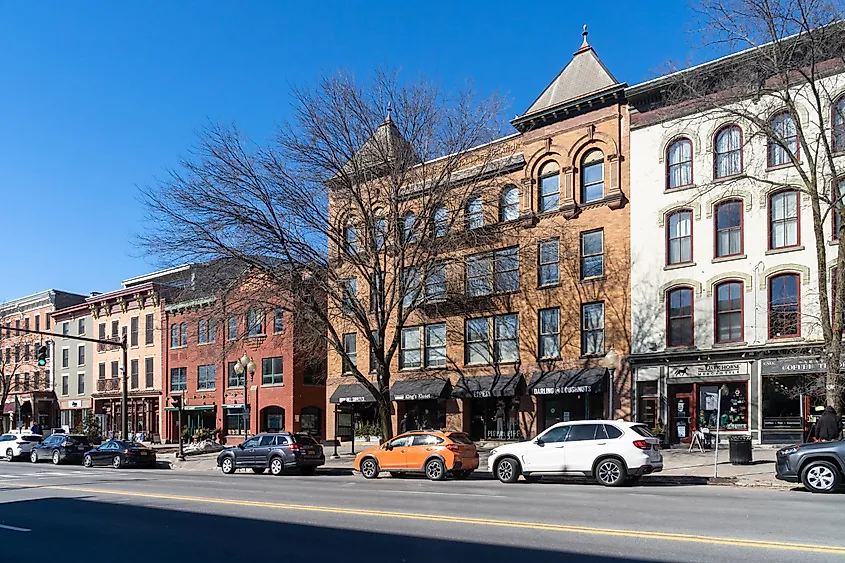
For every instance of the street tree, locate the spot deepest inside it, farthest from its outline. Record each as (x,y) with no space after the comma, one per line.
(17,354)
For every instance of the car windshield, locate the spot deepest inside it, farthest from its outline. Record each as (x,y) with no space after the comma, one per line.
(31,438)
(642,430)
(304,440)
(460,439)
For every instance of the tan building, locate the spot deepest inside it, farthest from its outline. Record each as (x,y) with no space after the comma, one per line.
(517,339)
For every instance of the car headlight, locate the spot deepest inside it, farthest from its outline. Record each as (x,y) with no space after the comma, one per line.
(789,451)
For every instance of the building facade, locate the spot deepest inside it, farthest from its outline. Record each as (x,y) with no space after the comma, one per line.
(74,364)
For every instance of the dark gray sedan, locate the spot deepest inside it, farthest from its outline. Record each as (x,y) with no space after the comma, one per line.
(275,452)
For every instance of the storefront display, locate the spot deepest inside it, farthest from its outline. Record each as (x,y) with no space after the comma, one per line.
(576,394)
(495,419)
(733,410)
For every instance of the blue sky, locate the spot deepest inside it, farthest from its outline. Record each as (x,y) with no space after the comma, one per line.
(99,98)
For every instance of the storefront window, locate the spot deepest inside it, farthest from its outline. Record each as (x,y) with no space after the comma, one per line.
(429,414)
(782,403)
(234,421)
(733,409)
(495,419)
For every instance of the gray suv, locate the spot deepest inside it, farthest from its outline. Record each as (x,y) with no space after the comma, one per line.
(274,452)
(820,466)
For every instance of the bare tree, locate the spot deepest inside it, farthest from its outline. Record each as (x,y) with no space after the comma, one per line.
(17,354)
(353,206)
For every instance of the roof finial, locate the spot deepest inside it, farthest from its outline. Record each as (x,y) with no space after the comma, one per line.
(389,109)
(585,33)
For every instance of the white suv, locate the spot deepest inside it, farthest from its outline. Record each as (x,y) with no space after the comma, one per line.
(17,444)
(612,452)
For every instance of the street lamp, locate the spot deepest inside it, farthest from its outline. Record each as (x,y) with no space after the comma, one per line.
(244,366)
(723,392)
(610,361)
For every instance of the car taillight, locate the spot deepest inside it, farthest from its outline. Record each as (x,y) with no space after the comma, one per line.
(66,444)
(21,443)
(453,447)
(642,444)
(294,447)
(128,452)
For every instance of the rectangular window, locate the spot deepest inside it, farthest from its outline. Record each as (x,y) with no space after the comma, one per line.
(183,334)
(26,352)
(133,374)
(212,331)
(80,383)
(728,228)
(679,237)
(410,350)
(178,379)
(549,263)
(278,321)
(235,422)
(435,345)
(233,328)
(115,369)
(783,220)
(18,327)
(423,345)
(350,296)
(65,358)
(550,333)
(271,371)
(47,319)
(506,345)
(206,377)
(36,380)
(133,331)
(80,326)
(497,271)
(592,329)
(115,330)
(729,312)
(350,347)
(101,370)
(174,335)
(102,331)
(17,353)
(202,332)
(435,283)
(80,355)
(255,322)
(679,317)
(474,213)
(65,384)
(592,254)
(550,191)
(65,329)
(148,373)
(506,266)
(477,341)
(377,292)
(149,328)
(478,275)
(784,306)
(411,289)
(38,321)
(235,379)
(26,323)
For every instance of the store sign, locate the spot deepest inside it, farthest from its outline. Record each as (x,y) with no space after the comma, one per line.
(415,397)
(783,423)
(714,371)
(806,364)
(359,399)
(76,404)
(561,390)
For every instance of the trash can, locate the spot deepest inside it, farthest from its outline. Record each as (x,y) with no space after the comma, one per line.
(740,450)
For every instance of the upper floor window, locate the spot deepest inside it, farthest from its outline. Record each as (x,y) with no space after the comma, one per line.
(350,348)
(232,328)
(80,325)
(784,220)
(272,371)
(423,346)
(728,228)
(379,232)
(729,321)
(178,379)
(202,331)
(499,334)
(474,213)
(411,287)
(679,237)
(679,317)
(350,238)
(549,262)
(592,176)
(509,204)
(206,377)
(784,139)
(489,272)
(435,283)
(183,334)
(784,306)
(174,335)
(278,320)
(839,189)
(549,333)
(679,164)
(838,124)
(592,329)
(255,322)
(409,225)
(592,254)
(149,329)
(728,153)
(350,296)
(441,222)
(549,187)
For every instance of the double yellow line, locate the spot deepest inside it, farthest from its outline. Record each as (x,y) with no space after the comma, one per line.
(640,534)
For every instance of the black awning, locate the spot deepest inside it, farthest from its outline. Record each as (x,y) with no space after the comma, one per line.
(489,386)
(586,380)
(420,389)
(351,393)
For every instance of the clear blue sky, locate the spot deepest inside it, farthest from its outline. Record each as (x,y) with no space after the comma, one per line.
(97,98)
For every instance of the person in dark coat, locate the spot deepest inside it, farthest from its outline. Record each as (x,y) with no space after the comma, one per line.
(829,426)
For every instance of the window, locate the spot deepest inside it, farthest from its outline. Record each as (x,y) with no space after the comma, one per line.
(592,254)
(65,357)
(350,348)
(80,355)
(509,204)
(374,343)
(379,232)
(148,329)
(784,221)
(115,330)
(729,322)
(350,296)
(728,152)
(435,283)
(728,228)
(133,331)
(26,323)
(65,328)
(255,322)
(839,188)
(174,335)
(679,237)
(26,352)
(505,344)
(679,330)
(36,380)
(235,379)
(549,263)
(477,341)
(178,379)
(784,133)
(377,291)
(271,371)
(38,322)
(679,164)
(478,275)
(80,326)
(133,374)
(505,274)
(582,432)
(838,125)
(202,331)
(784,306)
(102,331)
(206,377)
(409,225)
(183,334)
(47,319)
(411,289)
(441,222)
(410,353)
(549,333)
(350,239)
(556,435)
(212,330)
(549,187)
(236,423)
(148,373)
(435,345)
(592,329)
(101,370)
(65,381)
(592,176)
(423,345)
(232,328)
(115,369)
(80,383)
(278,321)
(474,213)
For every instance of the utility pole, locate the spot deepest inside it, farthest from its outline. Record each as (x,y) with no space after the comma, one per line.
(124,392)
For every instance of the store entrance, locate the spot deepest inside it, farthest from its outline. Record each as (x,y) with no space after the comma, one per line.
(680,413)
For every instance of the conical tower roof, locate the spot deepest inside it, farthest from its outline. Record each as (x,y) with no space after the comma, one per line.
(386,147)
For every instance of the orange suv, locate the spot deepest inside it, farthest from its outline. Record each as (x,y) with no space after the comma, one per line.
(423,451)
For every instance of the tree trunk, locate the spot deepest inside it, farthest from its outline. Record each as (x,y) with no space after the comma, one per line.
(833,391)
(385,420)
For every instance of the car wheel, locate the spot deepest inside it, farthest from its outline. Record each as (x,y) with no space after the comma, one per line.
(507,470)
(258,470)
(610,472)
(532,478)
(33,456)
(227,465)
(277,466)
(57,459)
(821,477)
(10,455)
(369,468)
(397,474)
(308,470)
(462,474)
(87,461)
(116,462)
(435,470)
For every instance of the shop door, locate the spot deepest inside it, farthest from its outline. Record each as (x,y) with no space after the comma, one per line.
(681,417)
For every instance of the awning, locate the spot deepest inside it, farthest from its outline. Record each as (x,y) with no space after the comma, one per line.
(420,389)
(489,386)
(586,380)
(351,393)
(228,407)
(8,408)
(194,408)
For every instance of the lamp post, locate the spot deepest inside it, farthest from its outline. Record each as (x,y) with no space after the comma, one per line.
(723,392)
(244,366)
(610,361)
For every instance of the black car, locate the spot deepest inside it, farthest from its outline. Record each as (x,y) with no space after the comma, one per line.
(60,448)
(274,452)
(119,453)
(819,465)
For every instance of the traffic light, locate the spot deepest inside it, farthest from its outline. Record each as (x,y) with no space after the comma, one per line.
(42,356)
(176,401)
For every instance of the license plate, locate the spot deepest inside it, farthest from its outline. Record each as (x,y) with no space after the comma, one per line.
(80,448)
(144,453)
(310,452)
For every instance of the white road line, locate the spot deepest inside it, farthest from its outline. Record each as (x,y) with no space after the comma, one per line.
(14,528)
(438,493)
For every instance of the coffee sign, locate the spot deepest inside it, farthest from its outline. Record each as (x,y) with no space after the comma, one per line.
(799,365)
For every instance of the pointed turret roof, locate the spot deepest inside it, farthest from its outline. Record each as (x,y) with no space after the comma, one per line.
(386,146)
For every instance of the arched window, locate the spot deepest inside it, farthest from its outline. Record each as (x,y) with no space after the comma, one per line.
(728,226)
(784,220)
(729,314)
(839,188)
(592,176)
(174,335)
(202,331)
(679,237)
(441,222)
(474,213)
(409,225)
(784,130)
(838,124)
(679,164)
(784,306)
(728,152)
(679,317)
(379,231)
(549,187)
(183,334)
(509,204)
(350,238)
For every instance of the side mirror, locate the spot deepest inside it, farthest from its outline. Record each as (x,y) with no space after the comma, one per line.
(241,446)
(538,441)
(387,447)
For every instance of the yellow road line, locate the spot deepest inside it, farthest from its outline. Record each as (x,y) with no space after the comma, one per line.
(640,534)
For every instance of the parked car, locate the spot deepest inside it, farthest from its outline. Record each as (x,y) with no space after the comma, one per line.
(120,453)
(611,452)
(276,452)
(436,454)
(60,448)
(819,466)
(14,445)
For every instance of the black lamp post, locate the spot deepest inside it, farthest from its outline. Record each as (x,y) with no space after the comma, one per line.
(244,366)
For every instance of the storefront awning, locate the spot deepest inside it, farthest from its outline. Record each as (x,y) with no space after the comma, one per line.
(351,393)
(229,407)
(194,408)
(586,380)
(420,389)
(489,386)
(8,408)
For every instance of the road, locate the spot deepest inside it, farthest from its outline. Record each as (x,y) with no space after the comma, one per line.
(165,515)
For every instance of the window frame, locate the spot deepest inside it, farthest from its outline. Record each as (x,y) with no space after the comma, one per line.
(834,127)
(275,377)
(352,362)
(541,176)
(202,331)
(769,224)
(583,257)
(669,318)
(770,145)
(149,329)
(584,332)
(409,232)
(670,165)
(541,335)
(669,238)
(769,283)
(716,153)
(432,281)
(505,207)
(475,216)
(134,328)
(716,230)
(350,238)
(255,320)
(717,313)
(182,373)
(278,320)
(541,265)
(582,175)
(440,220)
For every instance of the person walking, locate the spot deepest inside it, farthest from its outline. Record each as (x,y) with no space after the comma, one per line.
(829,426)
(36,428)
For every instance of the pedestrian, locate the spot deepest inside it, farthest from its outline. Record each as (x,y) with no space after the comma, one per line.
(403,424)
(829,426)
(35,429)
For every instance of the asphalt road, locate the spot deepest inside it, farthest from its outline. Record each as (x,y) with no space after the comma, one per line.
(163,515)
